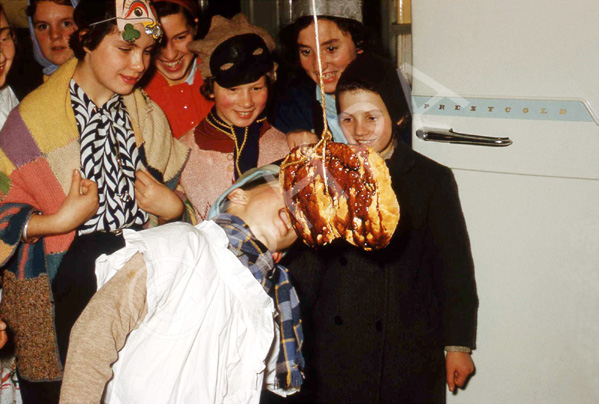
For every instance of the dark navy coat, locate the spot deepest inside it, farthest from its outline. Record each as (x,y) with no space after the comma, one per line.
(376,323)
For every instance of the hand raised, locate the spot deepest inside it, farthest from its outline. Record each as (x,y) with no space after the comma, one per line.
(300,137)
(80,205)
(156,198)
(3,336)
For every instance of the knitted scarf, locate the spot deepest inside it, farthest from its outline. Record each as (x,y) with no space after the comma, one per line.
(246,140)
(276,283)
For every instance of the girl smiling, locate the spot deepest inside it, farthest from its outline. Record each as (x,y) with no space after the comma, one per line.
(175,85)
(235,136)
(83,157)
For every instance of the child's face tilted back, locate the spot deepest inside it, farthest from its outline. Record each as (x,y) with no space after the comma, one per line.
(364,119)
(241,105)
(263,209)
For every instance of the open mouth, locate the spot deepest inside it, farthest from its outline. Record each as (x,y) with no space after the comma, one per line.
(130,79)
(172,66)
(244,114)
(328,77)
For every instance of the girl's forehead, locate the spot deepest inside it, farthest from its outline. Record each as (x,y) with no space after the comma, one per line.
(327,30)
(351,101)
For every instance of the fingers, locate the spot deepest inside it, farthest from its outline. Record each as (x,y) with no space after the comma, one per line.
(75,182)
(88,187)
(451,379)
(300,137)
(3,339)
(3,335)
(460,379)
(459,366)
(140,190)
(146,178)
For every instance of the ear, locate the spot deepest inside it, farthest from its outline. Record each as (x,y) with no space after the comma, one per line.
(277,256)
(238,196)
(82,33)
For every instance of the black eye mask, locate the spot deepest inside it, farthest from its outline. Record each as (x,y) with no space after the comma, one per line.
(240,60)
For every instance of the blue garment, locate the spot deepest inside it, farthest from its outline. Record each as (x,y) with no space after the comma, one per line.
(48,66)
(274,278)
(332,116)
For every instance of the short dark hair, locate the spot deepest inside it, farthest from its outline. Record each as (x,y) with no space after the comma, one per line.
(166,8)
(361,36)
(32,7)
(89,36)
(353,85)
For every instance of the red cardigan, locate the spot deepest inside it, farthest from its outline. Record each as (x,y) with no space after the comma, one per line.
(183,104)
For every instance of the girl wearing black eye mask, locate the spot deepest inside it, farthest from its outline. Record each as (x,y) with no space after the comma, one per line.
(238,70)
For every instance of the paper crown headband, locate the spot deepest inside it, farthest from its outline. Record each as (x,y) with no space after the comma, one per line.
(128,13)
(334,8)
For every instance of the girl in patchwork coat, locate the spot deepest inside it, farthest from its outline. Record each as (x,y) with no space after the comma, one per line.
(84,156)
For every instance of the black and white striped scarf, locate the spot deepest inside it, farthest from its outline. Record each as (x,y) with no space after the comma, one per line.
(107,138)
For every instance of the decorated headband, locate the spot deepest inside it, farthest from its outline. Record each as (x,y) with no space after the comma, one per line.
(335,8)
(131,12)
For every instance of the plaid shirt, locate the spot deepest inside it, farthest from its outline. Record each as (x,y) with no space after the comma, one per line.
(274,278)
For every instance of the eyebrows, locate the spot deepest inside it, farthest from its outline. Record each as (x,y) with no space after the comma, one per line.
(185,31)
(352,112)
(122,43)
(323,44)
(38,21)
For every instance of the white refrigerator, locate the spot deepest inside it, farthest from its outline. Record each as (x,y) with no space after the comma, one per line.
(506,93)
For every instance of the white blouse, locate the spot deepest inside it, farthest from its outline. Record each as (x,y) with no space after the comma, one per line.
(209,330)
(8,100)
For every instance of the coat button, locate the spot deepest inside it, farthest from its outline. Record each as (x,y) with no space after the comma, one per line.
(338,320)
(343,261)
(230,157)
(378,325)
(230,169)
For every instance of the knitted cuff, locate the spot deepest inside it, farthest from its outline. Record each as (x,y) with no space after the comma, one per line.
(453,348)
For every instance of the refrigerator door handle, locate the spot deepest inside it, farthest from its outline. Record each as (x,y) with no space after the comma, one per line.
(449,136)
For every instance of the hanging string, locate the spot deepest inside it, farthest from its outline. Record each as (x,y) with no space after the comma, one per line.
(326,135)
(325,132)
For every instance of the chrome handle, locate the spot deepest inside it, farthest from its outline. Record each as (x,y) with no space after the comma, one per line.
(449,136)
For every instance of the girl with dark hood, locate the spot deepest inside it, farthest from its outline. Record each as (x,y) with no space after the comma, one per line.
(377,323)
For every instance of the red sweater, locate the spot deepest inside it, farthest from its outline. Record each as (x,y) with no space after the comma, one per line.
(183,104)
